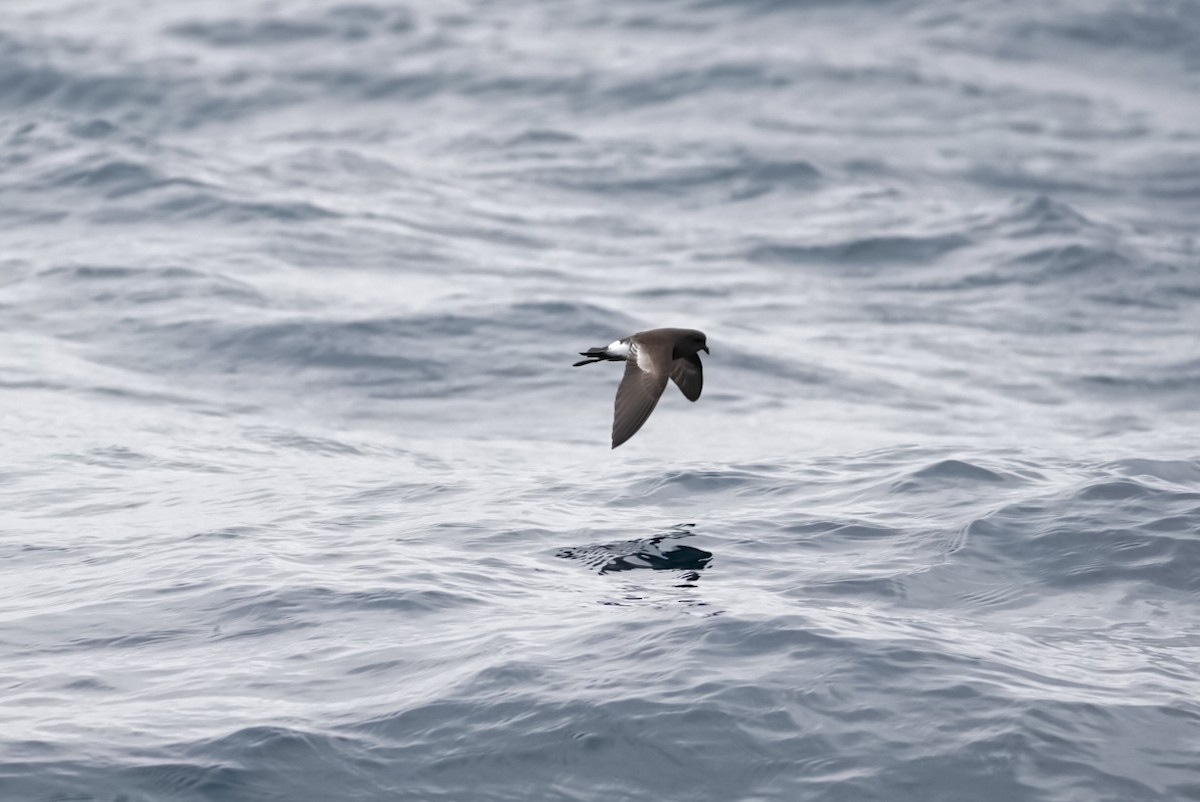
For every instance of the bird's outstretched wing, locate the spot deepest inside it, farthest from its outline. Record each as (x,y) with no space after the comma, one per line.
(641,387)
(688,373)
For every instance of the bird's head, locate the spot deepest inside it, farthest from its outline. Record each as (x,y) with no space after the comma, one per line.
(696,341)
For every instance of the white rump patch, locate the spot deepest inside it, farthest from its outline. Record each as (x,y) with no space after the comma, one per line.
(617,348)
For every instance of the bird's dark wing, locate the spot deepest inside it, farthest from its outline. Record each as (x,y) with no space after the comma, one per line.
(688,373)
(641,387)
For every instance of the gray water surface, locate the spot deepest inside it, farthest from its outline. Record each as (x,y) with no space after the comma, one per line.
(303,500)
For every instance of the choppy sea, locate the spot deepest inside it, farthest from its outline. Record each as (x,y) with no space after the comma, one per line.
(301,498)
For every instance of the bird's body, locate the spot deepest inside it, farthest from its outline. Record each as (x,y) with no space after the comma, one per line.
(650,357)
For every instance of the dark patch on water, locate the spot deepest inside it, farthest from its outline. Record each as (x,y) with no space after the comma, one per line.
(658,553)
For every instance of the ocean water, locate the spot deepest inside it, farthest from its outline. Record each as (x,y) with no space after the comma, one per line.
(301,498)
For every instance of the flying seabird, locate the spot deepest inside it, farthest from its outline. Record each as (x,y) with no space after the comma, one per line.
(650,357)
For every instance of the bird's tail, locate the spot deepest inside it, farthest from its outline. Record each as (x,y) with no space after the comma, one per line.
(597,355)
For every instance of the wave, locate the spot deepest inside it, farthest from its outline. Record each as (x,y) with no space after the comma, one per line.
(389,352)
(1168,27)
(1118,531)
(951,472)
(140,287)
(743,179)
(341,24)
(102,172)
(1040,215)
(871,250)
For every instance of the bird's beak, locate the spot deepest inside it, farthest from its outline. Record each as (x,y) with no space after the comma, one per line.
(705,347)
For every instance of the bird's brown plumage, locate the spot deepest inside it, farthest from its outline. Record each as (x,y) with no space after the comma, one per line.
(652,358)
(640,388)
(688,373)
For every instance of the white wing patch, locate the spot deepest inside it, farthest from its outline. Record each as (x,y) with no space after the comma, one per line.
(618,348)
(644,361)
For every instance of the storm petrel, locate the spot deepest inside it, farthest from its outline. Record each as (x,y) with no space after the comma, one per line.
(650,357)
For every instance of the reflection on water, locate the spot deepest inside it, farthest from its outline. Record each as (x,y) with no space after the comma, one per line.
(658,553)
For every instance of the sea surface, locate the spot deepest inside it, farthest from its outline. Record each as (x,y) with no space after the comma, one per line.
(301,499)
